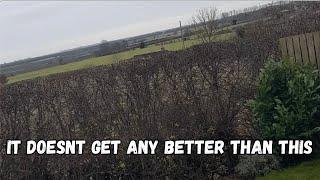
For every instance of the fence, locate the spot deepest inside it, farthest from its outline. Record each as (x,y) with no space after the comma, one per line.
(303,48)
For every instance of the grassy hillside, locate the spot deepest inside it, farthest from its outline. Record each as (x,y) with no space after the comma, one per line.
(305,171)
(109,59)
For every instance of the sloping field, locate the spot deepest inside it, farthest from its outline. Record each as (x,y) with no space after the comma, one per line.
(109,59)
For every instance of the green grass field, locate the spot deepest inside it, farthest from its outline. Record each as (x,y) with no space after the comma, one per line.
(309,170)
(109,59)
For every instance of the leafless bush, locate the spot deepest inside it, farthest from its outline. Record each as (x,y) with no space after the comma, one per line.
(192,94)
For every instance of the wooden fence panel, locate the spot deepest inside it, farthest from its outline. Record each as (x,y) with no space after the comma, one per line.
(290,49)
(297,50)
(283,46)
(316,37)
(312,53)
(303,48)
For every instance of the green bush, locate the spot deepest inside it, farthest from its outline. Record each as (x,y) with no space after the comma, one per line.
(287,101)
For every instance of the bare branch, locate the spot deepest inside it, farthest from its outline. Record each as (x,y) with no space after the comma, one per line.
(204,24)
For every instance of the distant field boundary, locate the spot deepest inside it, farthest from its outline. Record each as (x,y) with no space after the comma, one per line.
(303,48)
(114,58)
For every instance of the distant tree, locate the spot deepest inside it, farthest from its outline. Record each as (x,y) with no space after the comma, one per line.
(224,15)
(142,45)
(204,23)
(234,22)
(186,34)
(60,60)
(125,43)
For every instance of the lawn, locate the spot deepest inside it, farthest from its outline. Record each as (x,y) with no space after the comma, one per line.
(109,59)
(309,170)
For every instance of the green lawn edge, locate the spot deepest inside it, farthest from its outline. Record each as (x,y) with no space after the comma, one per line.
(308,170)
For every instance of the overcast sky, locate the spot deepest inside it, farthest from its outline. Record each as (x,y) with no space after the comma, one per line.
(34,28)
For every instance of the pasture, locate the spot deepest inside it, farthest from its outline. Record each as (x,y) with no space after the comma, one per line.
(113,58)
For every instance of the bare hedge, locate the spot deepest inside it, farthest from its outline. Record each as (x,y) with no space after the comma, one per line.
(194,94)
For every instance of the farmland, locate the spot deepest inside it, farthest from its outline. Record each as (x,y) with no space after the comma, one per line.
(113,58)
